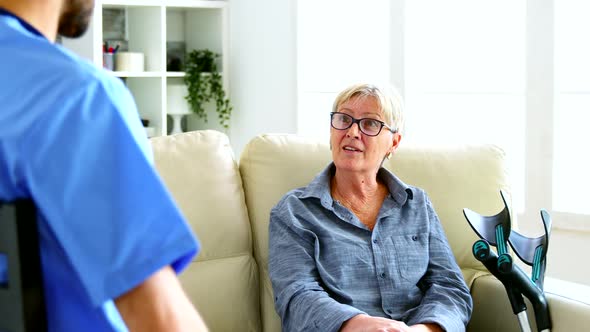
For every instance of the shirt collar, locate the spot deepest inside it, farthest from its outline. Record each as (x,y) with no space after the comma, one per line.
(22,22)
(319,187)
(398,189)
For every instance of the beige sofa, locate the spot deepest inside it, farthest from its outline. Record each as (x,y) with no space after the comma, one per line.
(227,204)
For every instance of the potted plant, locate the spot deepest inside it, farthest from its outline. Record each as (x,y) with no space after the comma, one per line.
(204,83)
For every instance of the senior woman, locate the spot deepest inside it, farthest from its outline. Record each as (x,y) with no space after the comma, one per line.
(358,249)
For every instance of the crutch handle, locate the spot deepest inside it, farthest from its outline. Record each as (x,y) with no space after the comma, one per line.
(516,283)
(481,251)
(504,263)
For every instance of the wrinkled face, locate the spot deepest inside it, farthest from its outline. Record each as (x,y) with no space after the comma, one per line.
(353,150)
(75,17)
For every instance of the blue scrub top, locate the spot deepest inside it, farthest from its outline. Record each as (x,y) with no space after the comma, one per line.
(3,270)
(71,139)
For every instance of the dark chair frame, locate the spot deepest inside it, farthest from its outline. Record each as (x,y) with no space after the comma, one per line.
(22,301)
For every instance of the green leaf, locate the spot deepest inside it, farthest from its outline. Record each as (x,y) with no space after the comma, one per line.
(204,83)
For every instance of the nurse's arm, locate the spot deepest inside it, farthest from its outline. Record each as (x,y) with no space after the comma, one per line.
(159,304)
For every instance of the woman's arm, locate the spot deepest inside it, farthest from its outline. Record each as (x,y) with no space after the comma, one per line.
(447,300)
(159,304)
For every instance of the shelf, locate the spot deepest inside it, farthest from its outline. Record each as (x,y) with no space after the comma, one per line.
(196,4)
(163,31)
(137,74)
(171,74)
(167,3)
(124,3)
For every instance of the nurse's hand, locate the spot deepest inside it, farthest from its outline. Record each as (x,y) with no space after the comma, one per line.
(159,304)
(366,323)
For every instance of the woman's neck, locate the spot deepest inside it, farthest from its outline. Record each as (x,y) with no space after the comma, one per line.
(355,188)
(363,195)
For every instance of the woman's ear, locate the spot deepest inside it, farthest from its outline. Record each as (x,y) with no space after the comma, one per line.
(397,137)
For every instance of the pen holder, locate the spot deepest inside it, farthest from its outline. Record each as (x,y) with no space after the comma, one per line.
(108,61)
(129,61)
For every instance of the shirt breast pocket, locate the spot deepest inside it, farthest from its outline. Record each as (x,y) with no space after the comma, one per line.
(411,256)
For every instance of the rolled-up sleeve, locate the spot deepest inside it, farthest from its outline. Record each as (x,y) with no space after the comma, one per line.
(447,300)
(300,300)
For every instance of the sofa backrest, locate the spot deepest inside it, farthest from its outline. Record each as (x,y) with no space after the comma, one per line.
(454,178)
(200,171)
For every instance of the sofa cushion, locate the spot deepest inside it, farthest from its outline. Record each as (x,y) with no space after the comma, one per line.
(454,178)
(270,166)
(200,171)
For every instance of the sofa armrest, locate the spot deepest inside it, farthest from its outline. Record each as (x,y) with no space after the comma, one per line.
(492,310)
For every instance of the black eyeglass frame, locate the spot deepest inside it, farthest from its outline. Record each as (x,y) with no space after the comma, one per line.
(358,122)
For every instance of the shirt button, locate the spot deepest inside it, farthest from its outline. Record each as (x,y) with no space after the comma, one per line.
(383,275)
(375,241)
(414,238)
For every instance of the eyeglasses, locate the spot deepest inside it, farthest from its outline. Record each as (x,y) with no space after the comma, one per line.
(368,126)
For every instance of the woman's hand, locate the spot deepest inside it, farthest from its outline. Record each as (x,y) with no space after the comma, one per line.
(366,323)
(426,328)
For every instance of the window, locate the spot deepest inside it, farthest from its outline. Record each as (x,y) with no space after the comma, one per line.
(571,158)
(514,73)
(338,43)
(465,76)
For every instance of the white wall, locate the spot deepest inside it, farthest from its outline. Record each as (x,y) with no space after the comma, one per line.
(566,256)
(263,72)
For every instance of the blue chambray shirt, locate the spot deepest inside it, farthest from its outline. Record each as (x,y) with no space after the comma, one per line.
(326,266)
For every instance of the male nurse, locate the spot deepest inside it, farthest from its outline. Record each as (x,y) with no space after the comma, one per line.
(111,238)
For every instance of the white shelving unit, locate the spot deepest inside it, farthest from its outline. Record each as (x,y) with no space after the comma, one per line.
(149,25)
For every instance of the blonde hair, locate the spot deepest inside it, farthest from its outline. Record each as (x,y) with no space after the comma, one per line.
(387,97)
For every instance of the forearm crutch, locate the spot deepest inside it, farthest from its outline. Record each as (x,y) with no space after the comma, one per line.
(496,230)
